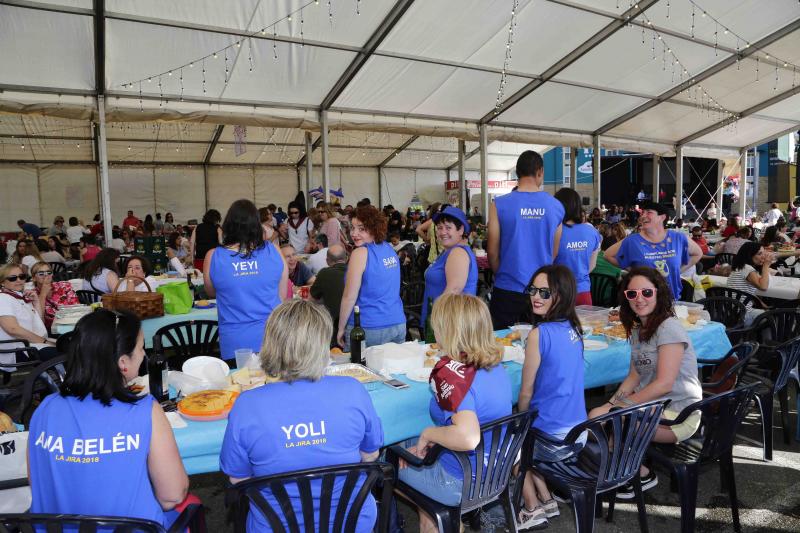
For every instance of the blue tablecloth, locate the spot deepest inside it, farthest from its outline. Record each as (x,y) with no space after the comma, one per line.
(151,325)
(404,412)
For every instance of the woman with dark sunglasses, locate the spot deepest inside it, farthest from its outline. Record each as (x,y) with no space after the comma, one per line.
(663,361)
(21,315)
(552,382)
(51,294)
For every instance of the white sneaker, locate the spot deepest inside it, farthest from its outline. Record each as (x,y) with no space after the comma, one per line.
(550,508)
(536,519)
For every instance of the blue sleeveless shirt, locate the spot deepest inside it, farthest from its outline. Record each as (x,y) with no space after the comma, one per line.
(528,223)
(247,292)
(558,387)
(436,281)
(379,297)
(578,243)
(88,458)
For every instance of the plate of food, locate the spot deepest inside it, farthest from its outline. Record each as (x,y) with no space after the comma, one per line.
(208,405)
(205,304)
(419,374)
(514,353)
(592,345)
(140,385)
(615,332)
(363,374)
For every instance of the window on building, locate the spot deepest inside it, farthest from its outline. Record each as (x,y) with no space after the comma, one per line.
(751,163)
(566,154)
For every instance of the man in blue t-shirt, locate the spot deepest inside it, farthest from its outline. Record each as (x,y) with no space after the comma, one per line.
(31,229)
(524,233)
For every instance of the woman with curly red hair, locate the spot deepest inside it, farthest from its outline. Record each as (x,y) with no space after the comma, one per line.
(372,283)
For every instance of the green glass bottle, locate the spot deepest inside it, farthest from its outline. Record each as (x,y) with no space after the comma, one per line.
(358,338)
(430,337)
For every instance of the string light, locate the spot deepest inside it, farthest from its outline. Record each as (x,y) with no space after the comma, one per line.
(250,53)
(274,43)
(181,79)
(204,76)
(358,7)
(507,60)
(226,67)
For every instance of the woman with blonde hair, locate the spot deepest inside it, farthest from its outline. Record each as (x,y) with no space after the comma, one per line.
(330,225)
(51,294)
(275,428)
(479,392)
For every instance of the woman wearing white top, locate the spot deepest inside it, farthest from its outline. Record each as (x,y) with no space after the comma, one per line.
(102,275)
(21,314)
(751,271)
(75,231)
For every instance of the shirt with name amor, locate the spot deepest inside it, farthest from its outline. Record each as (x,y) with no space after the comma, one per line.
(666,256)
(277,428)
(489,398)
(578,243)
(88,458)
(528,223)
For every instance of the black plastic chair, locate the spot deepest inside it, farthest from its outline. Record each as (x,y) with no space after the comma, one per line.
(729,312)
(188,339)
(771,383)
(603,290)
(192,517)
(47,378)
(724,259)
(622,438)
(720,418)
(482,485)
(59,271)
(345,515)
(687,291)
(88,297)
(729,370)
(25,357)
(775,327)
(744,297)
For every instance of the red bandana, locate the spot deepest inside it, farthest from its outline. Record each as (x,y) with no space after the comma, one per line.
(451,382)
(15,295)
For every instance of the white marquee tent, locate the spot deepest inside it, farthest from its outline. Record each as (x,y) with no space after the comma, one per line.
(156,88)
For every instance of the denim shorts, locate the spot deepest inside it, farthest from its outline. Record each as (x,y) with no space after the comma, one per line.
(376,336)
(434,482)
(547,452)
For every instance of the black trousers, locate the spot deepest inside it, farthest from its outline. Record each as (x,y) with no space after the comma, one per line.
(509,307)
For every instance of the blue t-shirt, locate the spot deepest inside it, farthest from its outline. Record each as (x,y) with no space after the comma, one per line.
(666,256)
(247,292)
(32,229)
(489,398)
(558,387)
(88,458)
(578,243)
(436,280)
(528,224)
(283,427)
(379,297)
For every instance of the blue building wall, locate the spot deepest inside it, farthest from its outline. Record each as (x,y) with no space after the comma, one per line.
(554,165)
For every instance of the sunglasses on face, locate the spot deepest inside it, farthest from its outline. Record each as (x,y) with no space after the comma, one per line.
(21,277)
(543,292)
(43,273)
(632,294)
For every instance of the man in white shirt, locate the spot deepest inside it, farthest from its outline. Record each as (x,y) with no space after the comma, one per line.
(319,258)
(771,217)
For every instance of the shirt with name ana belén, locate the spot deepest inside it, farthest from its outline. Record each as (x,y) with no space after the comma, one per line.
(282,427)
(578,243)
(91,459)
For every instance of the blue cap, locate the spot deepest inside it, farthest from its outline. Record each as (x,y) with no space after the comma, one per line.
(456,213)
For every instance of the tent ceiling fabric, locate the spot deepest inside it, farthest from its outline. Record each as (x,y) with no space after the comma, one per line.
(435,74)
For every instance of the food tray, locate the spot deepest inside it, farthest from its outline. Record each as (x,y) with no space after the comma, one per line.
(364,375)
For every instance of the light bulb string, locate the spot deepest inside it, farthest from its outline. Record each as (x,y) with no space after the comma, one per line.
(260,33)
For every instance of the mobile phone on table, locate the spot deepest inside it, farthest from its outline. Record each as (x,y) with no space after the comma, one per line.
(395,384)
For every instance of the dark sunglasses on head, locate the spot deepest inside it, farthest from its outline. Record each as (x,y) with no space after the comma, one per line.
(631,294)
(544,292)
(22,277)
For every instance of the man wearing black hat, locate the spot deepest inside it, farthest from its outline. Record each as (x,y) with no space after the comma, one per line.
(654,246)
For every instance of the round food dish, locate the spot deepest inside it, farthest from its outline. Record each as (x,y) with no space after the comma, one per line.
(592,345)
(419,374)
(207,405)
(197,368)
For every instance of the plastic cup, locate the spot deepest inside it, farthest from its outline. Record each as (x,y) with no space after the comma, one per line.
(242,357)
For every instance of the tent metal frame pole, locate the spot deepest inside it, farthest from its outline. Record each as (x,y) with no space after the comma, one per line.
(597,171)
(326,169)
(380,188)
(105,194)
(308,153)
(679,181)
(720,187)
(309,167)
(205,186)
(743,155)
(656,188)
(467,157)
(484,144)
(573,168)
(463,193)
(397,151)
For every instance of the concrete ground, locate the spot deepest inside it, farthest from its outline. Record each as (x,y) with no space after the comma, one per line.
(769,494)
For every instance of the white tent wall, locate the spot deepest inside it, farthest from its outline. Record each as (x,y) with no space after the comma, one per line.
(226,184)
(19,196)
(69,190)
(398,186)
(180,190)
(276,186)
(356,182)
(131,188)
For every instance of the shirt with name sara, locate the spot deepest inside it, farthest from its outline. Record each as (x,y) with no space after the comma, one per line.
(644,356)
(278,428)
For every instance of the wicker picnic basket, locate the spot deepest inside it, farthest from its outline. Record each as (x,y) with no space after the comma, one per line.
(142,304)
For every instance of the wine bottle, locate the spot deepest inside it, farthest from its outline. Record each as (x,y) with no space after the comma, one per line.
(157,373)
(430,337)
(358,337)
